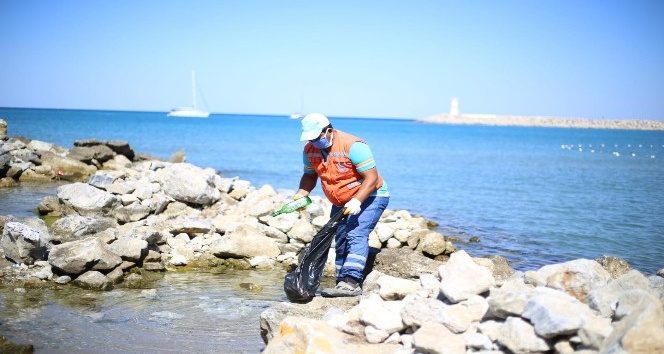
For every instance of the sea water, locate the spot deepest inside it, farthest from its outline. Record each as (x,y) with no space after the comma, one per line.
(533,195)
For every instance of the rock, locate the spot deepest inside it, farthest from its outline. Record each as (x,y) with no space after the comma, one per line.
(91,155)
(577,277)
(393,288)
(129,249)
(101,179)
(432,243)
(87,200)
(118,162)
(187,183)
(510,298)
(76,227)
(605,299)
(77,257)
(70,169)
(461,278)
(435,338)
(93,280)
(7,182)
(304,335)
(519,337)
(614,265)
(245,242)
(271,318)
(25,241)
(382,315)
(404,263)
(416,312)
(37,145)
(50,205)
(555,313)
(122,148)
(641,330)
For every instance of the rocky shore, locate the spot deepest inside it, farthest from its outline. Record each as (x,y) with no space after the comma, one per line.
(542,121)
(124,216)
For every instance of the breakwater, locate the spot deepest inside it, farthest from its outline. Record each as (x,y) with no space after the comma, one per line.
(543,121)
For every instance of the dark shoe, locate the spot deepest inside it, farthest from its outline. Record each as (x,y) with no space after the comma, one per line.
(343,289)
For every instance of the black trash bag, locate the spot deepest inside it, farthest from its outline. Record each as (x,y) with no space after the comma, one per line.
(301,284)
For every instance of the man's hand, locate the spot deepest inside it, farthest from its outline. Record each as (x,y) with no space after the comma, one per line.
(353,207)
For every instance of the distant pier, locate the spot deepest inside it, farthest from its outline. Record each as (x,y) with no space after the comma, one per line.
(537,121)
(454,117)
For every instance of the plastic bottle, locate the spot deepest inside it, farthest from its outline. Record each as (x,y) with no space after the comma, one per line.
(293,206)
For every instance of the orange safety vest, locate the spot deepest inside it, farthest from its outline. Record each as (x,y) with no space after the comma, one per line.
(338,176)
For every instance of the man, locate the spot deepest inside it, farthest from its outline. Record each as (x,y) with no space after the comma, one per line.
(350,180)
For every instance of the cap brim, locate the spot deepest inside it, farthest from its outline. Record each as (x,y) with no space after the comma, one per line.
(309,135)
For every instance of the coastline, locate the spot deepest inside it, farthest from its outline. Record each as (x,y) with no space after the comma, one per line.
(542,121)
(127,218)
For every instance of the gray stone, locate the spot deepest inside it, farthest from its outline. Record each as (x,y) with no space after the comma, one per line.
(641,330)
(435,338)
(519,337)
(605,299)
(187,183)
(77,257)
(93,280)
(130,249)
(87,200)
(25,241)
(461,278)
(577,277)
(555,313)
(76,227)
(244,242)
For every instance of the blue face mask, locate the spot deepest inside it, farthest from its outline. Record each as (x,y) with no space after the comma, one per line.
(323,143)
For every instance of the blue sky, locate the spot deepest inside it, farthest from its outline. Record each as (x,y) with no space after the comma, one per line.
(389,59)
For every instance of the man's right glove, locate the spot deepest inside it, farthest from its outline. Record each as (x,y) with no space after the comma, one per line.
(353,207)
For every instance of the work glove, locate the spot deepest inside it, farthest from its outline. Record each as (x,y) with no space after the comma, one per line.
(298,196)
(353,207)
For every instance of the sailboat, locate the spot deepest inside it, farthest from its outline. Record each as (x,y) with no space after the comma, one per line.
(189,112)
(299,114)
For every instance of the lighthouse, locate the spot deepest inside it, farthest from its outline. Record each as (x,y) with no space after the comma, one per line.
(454,107)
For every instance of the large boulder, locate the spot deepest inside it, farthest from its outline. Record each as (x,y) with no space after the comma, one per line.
(577,277)
(403,263)
(87,200)
(462,278)
(77,257)
(93,280)
(25,241)
(65,167)
(76,227)
(245,242)
(188,183)
(91,155)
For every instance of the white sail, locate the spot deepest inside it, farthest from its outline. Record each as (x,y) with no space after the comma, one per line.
(193,111)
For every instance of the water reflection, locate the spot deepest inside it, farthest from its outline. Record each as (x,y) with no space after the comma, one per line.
(197,312)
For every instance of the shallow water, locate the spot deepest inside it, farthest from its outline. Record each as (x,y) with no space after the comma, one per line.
(189,312)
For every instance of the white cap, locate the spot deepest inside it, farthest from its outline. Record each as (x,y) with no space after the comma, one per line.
(312,126)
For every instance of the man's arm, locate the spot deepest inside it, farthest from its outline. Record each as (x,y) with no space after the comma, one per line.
(307,183)
(368,186)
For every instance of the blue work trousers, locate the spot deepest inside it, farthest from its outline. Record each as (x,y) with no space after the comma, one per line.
(352,238)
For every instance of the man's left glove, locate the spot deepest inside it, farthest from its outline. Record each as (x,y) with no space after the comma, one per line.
(353,207)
